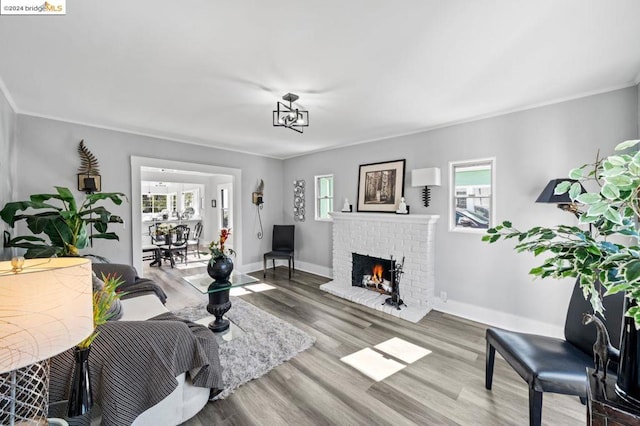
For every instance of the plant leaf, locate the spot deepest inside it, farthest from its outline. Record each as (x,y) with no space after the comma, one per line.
(632,271)
(588,198)
(562,187)
(610,192)
(626,144)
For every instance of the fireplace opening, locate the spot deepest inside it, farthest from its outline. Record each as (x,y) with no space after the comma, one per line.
(373,273)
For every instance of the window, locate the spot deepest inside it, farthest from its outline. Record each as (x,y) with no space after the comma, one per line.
(156,203)
(324,196)
(472,195)
(191,203)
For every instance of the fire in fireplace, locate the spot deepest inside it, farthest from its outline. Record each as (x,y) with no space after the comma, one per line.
(373,273)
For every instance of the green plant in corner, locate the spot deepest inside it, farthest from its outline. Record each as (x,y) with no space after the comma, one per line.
(62,220)
(609,251)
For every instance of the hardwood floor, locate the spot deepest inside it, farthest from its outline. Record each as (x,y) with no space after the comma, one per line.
(445,387)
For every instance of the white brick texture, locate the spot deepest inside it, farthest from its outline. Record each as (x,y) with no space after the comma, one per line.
(385,235)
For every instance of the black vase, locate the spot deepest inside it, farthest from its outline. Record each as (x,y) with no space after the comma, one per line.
(80,397)
(628,382)
(220,268)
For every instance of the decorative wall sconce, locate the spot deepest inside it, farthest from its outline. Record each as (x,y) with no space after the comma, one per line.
(562,201)
(89,179)
(289,116)
(426,177)
(298,200)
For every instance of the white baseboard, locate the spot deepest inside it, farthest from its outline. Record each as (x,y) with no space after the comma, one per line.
(300,265)
(250,267)
(315,269)
(498,318)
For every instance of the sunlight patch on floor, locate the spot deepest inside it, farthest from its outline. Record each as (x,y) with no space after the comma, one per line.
(402,350)
(238,291)
(372,364)
(256,288)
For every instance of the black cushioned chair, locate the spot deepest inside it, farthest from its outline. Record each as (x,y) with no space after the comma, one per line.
(282,247)
(554,365)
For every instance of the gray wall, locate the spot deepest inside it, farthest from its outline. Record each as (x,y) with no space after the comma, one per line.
(7,160)
(531,147)
(47,157)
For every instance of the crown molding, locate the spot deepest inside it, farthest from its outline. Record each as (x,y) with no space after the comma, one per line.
(476,118)
(149,134)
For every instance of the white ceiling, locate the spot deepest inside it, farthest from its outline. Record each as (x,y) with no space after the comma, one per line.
(210,72)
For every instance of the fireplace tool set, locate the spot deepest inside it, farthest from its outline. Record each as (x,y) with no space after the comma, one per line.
(395,299)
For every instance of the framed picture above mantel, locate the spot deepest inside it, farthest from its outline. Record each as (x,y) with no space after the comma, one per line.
(380,186)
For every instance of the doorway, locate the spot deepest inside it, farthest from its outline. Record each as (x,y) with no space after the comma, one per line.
(232,182)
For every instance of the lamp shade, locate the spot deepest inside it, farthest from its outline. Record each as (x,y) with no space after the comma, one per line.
(45,309)
(425,177)
(548,196)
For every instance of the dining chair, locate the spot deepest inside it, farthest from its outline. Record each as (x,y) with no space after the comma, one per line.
(282,247)
(194,241)
(179,235)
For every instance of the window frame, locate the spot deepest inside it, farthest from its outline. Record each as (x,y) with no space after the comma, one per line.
(195,199)
(453,196)
(316,181)
(170,201)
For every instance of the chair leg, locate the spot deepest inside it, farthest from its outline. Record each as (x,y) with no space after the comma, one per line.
(264,267)
(289,268)
(488,371)
(535,407)
(274,264)
(583,400)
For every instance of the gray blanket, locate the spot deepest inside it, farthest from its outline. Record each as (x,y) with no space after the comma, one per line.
(134,364)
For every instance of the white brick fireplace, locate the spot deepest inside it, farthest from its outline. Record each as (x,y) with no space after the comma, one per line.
(384,235)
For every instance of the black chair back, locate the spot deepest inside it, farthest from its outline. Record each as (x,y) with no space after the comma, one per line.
(283,238)
(197,231)
(584,336)
(180,235)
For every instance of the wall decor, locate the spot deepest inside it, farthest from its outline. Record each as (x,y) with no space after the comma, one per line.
(89,179)
(298,200)
(381,186)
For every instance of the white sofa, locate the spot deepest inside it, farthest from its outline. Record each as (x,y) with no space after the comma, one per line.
(186,400)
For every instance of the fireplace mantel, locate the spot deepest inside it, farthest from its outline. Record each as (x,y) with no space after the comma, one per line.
(386,217)
(383,235)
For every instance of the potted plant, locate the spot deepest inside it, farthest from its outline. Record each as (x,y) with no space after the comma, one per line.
(220,265)
(62,220)
(605,251)
(80,394)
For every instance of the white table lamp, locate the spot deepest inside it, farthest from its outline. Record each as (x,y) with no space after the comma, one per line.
(46,307)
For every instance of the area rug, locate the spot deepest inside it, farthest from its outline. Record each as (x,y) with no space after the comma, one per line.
(266,343)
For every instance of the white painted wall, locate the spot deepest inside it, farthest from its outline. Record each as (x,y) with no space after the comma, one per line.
(485,282)
(47,156)
(7,161)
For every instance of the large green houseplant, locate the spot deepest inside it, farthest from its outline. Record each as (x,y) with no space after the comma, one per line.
(62,220)
(605,249)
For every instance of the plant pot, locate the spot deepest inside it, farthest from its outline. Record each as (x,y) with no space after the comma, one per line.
(628,382)
(220,268)
(80,396)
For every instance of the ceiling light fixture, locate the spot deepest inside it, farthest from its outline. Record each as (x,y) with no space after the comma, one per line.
(290,117)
